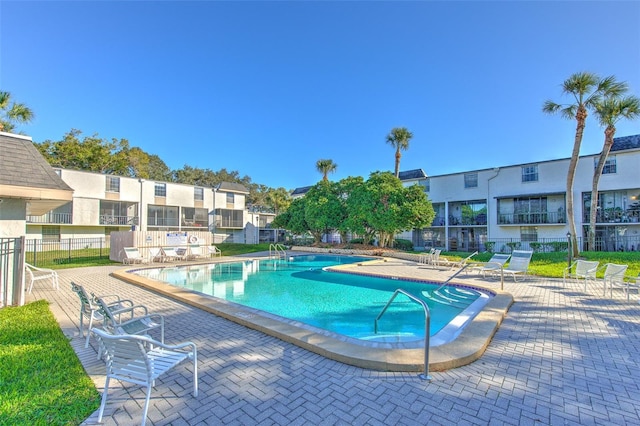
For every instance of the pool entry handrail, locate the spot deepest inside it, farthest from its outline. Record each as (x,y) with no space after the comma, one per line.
(450,278)
(427,327)
(277,251)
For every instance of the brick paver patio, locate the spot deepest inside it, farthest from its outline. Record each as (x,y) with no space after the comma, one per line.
(561,356)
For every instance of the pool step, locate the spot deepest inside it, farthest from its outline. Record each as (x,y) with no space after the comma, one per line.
(454,296)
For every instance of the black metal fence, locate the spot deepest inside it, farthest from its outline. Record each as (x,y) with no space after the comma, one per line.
(67,250)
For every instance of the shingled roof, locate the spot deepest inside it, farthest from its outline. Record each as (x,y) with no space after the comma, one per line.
(25,174)
(626,142)
(232,187)
(412,174)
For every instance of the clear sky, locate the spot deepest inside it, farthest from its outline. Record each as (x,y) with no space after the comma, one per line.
(268,88)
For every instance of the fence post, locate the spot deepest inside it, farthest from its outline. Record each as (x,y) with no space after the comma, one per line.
(17,295)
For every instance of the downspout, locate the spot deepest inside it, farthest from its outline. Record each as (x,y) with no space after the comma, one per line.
(497,172)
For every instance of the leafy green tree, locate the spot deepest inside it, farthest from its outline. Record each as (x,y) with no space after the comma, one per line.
(609,112)
(12,113)
(90,154)
(349,221)
(325,167)
(323,210)
(293,219)
(279,199)
(399,138)
(147,166)
(586,89)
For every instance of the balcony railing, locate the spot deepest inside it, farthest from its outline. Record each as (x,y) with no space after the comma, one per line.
(152,221)
(64,218)
(615,216)
(531,218)
(194,223)
(118,220)
(478,219)
(229,223)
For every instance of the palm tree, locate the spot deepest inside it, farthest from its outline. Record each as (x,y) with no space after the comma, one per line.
(325,167)
(12,113)
(608,112)
(399,139)
(587,89)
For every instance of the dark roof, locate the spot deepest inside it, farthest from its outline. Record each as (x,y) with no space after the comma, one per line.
(626,142)
(21,164)
(232,187)
(302,190)
(412,174)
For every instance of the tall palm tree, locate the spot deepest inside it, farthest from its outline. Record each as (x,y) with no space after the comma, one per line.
(587,89)
(608,112)
(325,167)
(399,139)
(12,113)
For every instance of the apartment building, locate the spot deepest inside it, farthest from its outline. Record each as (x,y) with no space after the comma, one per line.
(527,203)
(103,204)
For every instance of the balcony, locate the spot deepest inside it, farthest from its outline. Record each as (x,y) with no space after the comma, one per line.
(56,218)
(615,215)
(229,223)
(468,220)
(537,218)
(192,223)
(118,220)
(153,221)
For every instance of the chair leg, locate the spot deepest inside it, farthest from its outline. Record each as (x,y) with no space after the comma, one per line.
(146,406)
(104,399)
(86,344)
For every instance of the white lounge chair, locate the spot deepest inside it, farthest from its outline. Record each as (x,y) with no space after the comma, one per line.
(462,262)
(133,323)
(195,252)
(90,310)
(132,256)
(39,274)
(496,262)
(141,360)
(518,264)
(214,251)
(581,270)
(156,255)
(171,253)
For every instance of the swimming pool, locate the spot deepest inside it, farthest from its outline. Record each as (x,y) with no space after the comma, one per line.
(301,289)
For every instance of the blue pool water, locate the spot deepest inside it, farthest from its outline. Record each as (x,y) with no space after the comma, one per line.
(299,289)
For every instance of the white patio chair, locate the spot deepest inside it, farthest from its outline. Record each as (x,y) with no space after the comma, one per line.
(171,254)
(132,256)
(518,265)
(214,251)
(494,264)
(613,277)
(132,323)
(91,311)
(39,274)
(581,270)
(195,252)
(141,360)
(156,255)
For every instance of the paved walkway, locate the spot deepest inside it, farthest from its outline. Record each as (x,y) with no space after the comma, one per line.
(562,356)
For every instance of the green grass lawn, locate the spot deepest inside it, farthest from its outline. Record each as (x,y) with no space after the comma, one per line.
(42,382)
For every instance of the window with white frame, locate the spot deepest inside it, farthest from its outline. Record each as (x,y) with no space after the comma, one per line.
(113,184)
(471,180)
(230,199)
(160,189)
(530,173)
(198,194)
(609,165)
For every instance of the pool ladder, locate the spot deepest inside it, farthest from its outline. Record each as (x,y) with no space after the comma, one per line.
(277,251)
(427,326)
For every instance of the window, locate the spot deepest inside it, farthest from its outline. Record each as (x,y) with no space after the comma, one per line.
(198,194)
(50,233)
(427,185)
(230,199)
(609,165)
(161,190)
(528,233)
(113,184)
(530,173)
(470,180)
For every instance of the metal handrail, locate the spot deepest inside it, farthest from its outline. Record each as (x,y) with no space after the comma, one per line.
(427,327)
(278,249)
(450,278)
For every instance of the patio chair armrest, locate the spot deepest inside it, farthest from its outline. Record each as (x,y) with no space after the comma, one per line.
(153,317)
(132,310)
(119,305)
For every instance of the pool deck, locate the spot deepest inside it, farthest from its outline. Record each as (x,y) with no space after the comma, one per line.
(560,356)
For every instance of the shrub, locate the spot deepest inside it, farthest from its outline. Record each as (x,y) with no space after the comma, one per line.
(489,245)
(536,247)
(357,241)
(404,245)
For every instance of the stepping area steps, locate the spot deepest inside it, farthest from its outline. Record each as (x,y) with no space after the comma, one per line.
(449,295)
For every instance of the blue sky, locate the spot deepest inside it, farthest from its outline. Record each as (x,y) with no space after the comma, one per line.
(268,88)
